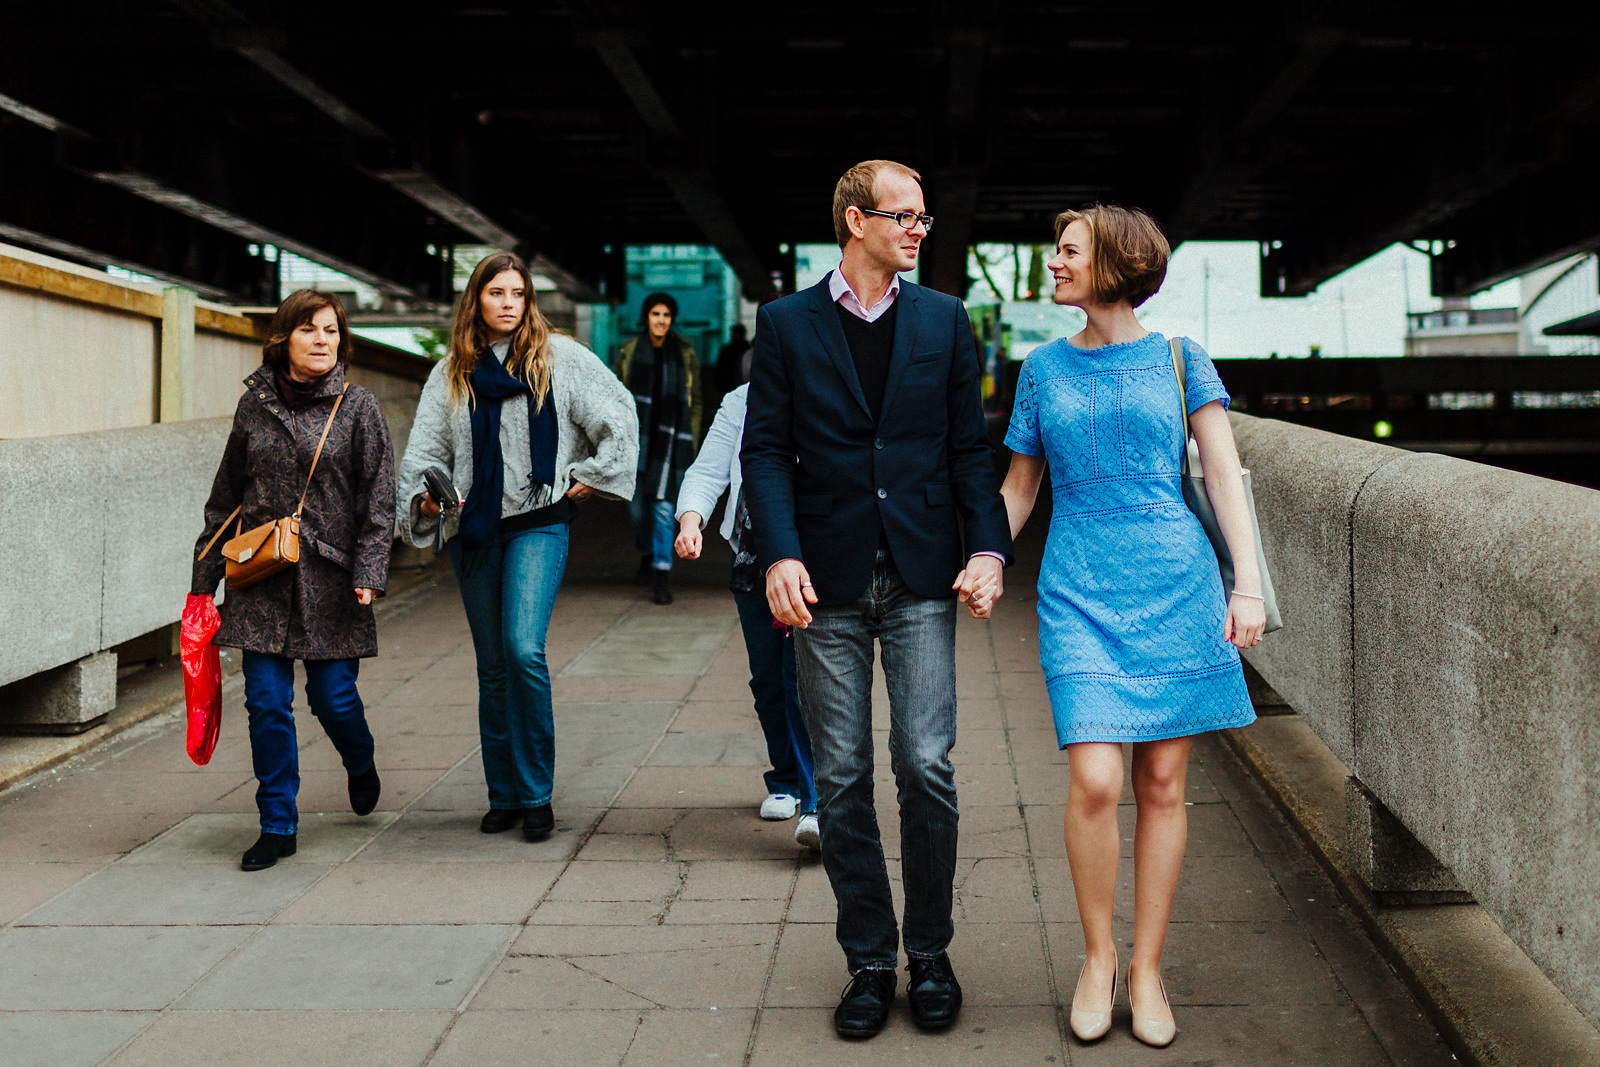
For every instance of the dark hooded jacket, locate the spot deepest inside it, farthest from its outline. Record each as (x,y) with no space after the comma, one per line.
(308,611)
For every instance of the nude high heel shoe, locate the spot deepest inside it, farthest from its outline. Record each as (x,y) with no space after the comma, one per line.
(1155,1033)
(1093,1025)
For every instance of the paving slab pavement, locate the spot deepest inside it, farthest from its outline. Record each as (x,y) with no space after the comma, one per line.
(663,923)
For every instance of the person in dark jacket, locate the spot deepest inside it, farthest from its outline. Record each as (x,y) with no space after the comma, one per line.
(660,369)
(319,610)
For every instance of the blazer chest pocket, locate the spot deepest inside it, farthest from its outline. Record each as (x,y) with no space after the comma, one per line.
(814,504)
(921,358)
(939,494)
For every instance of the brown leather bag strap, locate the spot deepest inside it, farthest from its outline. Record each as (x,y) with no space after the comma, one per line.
(339,400)
(220,530)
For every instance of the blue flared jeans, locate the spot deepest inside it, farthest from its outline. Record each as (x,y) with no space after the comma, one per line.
(773,685)
(916,639)
(654,529)
(274,749)
(509,591)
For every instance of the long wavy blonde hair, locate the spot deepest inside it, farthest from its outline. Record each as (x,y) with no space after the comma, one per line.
(528,358)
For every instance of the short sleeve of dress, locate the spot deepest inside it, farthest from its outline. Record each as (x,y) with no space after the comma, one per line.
(1023,433)
(1201,382)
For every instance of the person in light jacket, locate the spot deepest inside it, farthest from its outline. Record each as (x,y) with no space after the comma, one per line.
(318,611)
(529,421)
(790,786)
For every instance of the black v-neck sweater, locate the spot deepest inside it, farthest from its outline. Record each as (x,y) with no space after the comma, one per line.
(871,344)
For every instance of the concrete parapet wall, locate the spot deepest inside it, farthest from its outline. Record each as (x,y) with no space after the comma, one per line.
(96,549)
(1442,635)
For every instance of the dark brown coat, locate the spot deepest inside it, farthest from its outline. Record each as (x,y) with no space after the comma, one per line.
(308,611)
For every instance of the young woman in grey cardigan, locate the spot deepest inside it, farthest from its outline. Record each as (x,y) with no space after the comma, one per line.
(525,422)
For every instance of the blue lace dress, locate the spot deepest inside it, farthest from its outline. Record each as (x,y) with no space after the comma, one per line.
(1130,602)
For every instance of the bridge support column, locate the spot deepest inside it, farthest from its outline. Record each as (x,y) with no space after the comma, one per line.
(1395,866)
(66,700)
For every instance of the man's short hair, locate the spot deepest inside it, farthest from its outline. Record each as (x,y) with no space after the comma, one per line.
(1130,253)
(859,188)
(664,299)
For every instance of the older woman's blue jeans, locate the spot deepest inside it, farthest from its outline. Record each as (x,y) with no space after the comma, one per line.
(509,594)
(274,751)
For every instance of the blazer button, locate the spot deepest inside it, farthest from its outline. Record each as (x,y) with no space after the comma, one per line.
(878,443)
(883,494)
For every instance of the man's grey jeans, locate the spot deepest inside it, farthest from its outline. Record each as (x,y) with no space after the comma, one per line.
(834,656)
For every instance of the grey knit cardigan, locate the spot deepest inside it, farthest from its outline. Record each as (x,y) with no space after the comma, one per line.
(597,437)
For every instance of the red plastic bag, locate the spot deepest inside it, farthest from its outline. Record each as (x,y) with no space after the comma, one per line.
(202,675)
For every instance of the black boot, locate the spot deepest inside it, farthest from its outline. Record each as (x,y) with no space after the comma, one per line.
(538,822)
(364,791)
(267,850)
(646,568)
(658,588)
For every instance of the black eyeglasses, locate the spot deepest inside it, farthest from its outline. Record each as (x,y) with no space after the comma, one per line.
(907,219)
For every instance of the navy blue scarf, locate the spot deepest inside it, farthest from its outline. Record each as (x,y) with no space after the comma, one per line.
(492,385)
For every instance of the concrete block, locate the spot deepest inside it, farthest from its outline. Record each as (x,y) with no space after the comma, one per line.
(66,700)
(1305,484)
(1477,701)
(1390,860)
(104,554)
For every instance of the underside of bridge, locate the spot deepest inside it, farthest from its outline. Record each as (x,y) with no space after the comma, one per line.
(171,136)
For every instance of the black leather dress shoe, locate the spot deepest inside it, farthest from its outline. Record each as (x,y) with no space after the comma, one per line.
(864,1008)
(364,792)
(267,850)
(934,993)
(499,820)
(538,822)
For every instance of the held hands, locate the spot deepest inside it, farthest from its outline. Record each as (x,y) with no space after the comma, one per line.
(689,541)
(1245,622)
(789,591)
(980,584)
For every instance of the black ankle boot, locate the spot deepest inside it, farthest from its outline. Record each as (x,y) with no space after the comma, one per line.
(538,822)
(364,791)
(646,568)
(267,850)
(658,588)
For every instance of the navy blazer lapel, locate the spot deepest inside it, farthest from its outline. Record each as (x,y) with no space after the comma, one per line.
(826,320)
(905,335)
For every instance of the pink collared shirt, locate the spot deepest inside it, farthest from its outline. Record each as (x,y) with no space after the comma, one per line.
(846,297)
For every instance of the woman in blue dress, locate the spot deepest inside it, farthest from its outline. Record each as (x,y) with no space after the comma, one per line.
(1138,640)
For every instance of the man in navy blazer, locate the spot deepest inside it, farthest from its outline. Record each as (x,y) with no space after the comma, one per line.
(865,461)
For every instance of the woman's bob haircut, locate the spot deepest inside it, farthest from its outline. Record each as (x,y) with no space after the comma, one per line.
(1130,253)
(299,308)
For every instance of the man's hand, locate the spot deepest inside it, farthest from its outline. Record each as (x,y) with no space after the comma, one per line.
(980,585)
(687,546)
(789,591)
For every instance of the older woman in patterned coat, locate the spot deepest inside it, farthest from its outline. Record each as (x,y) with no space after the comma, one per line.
(319,610)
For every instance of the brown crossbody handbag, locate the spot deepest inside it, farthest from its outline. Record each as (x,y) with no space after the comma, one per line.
(257,554)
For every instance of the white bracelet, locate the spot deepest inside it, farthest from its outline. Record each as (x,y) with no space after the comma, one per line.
(1251,596)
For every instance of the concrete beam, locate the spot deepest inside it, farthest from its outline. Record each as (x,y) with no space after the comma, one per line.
(673,155)
(1244,152)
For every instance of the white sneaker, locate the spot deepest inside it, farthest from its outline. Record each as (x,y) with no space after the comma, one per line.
(807,834)
(779,806)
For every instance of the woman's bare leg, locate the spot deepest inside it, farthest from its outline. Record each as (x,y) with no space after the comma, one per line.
(1090,829)
(1160,772)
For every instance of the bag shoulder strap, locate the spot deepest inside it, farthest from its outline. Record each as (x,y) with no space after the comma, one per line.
(322,441)
(1183,400)
(221,529)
